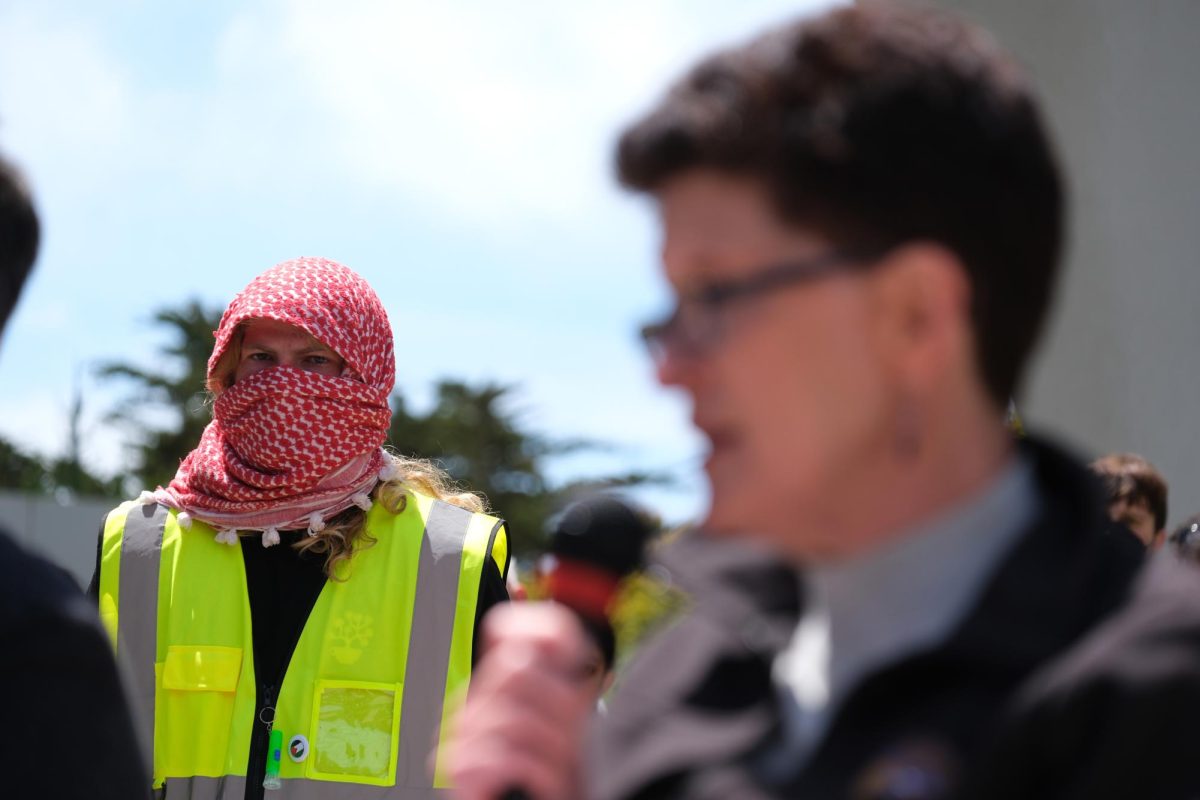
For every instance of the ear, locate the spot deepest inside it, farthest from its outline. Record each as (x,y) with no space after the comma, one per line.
(923,308)
(1160,538)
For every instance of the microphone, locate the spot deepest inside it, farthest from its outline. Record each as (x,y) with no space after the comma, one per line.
(596,543)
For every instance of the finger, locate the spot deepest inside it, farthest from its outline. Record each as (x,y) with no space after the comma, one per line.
(518,675)
(515,743)
(548,629)
(515,730)
(488,776)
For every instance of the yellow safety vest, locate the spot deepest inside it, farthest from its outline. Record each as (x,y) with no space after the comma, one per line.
(378,667)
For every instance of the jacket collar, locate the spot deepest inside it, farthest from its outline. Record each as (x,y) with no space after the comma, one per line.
(680,713)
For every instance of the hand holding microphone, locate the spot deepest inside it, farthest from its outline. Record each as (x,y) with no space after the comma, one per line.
(525,715)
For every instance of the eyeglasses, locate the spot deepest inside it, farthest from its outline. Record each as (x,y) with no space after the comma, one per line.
(697,323)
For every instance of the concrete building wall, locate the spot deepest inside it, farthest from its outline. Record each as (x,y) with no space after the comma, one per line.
(1120,367)
(63,530)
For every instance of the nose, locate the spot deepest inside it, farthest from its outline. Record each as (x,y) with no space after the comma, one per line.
(675,369)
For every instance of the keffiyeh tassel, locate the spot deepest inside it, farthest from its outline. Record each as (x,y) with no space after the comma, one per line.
(390,471)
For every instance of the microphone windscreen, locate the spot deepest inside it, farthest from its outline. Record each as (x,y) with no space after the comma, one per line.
(595,544)
(602,532)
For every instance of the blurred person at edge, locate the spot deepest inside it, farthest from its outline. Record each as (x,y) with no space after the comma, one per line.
(1185,540)
(862,218)
(1137,495)
(295,579)
(65,731)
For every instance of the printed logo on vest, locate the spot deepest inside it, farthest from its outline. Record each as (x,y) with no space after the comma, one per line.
(348,635)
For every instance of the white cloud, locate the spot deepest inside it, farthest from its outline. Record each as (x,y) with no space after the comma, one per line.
(466,107)
(500,113)
(65,101)
(34,420)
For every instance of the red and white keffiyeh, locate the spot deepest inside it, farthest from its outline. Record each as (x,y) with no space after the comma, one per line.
(289,448)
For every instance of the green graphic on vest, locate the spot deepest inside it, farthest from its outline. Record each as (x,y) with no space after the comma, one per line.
(350,634)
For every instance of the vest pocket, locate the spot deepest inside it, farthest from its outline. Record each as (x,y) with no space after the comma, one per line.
(194,709)
(354,730)
(193,668)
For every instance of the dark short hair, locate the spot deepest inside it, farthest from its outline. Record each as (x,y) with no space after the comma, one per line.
(1129,477)
(19,234)
(879,124)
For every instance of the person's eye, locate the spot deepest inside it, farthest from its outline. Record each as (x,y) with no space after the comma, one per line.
(319,361)
(260,356)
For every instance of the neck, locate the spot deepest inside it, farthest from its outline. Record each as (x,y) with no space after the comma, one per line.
(961,450)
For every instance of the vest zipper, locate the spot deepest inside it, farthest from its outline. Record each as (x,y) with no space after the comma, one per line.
(260,736)
(260,740)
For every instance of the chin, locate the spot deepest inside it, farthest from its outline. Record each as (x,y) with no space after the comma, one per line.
(727,517)
(777,525)
(724,516)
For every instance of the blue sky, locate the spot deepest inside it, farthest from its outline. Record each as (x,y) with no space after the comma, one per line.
(456,154)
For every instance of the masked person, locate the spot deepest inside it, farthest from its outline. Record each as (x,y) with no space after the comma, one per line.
(298,607)
(861,220)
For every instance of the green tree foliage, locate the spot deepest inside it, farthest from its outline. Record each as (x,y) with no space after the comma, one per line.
(173,392)
(30,473)
(68,473)
(19,470)
(473,434)
(26,472)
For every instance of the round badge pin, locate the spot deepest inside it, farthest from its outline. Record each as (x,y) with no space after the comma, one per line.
(298,748)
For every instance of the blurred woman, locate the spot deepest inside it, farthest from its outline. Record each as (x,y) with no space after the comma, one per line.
(861,217)
(298,607)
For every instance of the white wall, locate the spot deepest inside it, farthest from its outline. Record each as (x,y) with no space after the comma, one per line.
(1120,80)
(64,532)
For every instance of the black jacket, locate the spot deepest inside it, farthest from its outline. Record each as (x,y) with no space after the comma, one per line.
(1058,668)
(64,729)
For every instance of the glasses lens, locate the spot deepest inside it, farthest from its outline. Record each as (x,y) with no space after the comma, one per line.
(687,332)
(654,337)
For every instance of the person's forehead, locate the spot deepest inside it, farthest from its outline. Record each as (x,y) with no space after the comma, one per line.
(714,222)
(1129,502)
(263,330)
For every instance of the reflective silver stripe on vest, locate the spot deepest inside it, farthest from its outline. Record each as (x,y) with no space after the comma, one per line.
(226,787)
(434,609)
(137,617)
(233,787)
(297,789)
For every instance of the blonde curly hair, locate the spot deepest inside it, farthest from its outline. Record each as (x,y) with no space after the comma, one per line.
(346,532)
